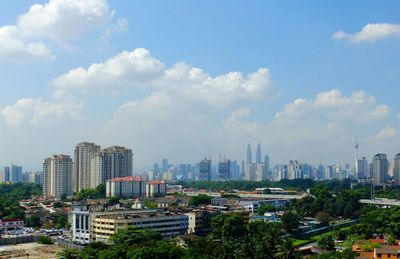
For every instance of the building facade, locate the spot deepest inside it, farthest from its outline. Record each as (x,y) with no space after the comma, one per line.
(396,170)
(224,173)
(205,170)
(89,225)
(83,155)
(110,163)
(57,176)
(380,169)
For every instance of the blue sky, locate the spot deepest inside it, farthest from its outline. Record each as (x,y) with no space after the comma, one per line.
(345,84)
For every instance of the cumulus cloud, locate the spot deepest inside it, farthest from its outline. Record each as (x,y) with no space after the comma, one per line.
(14,48)
(371,32)
(237,121)
(387,132)
(32,111)
(333,107)
(57,20)
(64,19)
(126,70)
(139,69)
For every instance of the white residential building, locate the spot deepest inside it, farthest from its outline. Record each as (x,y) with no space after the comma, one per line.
(57,176)
(84,153)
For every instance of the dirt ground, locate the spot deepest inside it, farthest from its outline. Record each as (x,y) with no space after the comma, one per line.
(30,250)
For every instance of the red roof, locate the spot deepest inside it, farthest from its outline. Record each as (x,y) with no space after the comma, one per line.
(126,179)
(155,182)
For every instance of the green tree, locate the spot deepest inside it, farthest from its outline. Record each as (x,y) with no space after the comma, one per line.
(286,249)
(326,242)
(200,199)
(33,221)
(101,190)
(112,201)
(57,204)
(130,236)
(45,240)
(265,208)
(68,254)
(227,226)
(290,221)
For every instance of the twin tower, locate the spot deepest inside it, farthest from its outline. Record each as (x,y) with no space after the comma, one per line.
(258,155)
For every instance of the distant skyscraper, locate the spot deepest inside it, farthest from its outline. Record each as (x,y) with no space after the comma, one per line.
(165,165)
(294,170)
(320,172)
(84,153)
(267,163)
(396,170)
(6,176)
(362,168)
(248,154)
(258,154)
(57,176)
(380,169)
(224,173)
(250,172)
(205,170)
(110,163)
(13,173)
(356,155)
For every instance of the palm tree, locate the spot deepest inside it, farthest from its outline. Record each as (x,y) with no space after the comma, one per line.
(286,250)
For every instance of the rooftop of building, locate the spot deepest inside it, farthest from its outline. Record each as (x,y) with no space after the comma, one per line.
(142,214)
(126,179)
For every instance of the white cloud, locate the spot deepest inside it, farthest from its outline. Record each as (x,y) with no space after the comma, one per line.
(33,111)
(57,20)
(371,32)
(387,132)
(138,69)
(237,122)
(332,106)
(126,70)
(64,19)
(13,48)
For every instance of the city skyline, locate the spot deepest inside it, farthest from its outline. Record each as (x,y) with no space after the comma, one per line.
(165,83)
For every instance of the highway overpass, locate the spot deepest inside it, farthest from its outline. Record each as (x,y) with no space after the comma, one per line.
(381,202)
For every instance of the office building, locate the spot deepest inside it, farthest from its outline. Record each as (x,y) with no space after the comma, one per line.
(362,168)
(250,172)
(224,173)
(110,163)
(205,170)
(294,170)
(258,154)
(13,173)
(380,169)
(396,170)
(165,165)
(6,175)
(57,176)
(267,163)
(248,154)
(89,225)
(260,172)
(84,153)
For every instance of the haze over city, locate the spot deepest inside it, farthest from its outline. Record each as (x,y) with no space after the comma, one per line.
(185,81)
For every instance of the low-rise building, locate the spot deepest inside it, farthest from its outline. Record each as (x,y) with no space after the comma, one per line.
(198,222)
(91,224)
(11,224)
(133,187)
(168,224)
